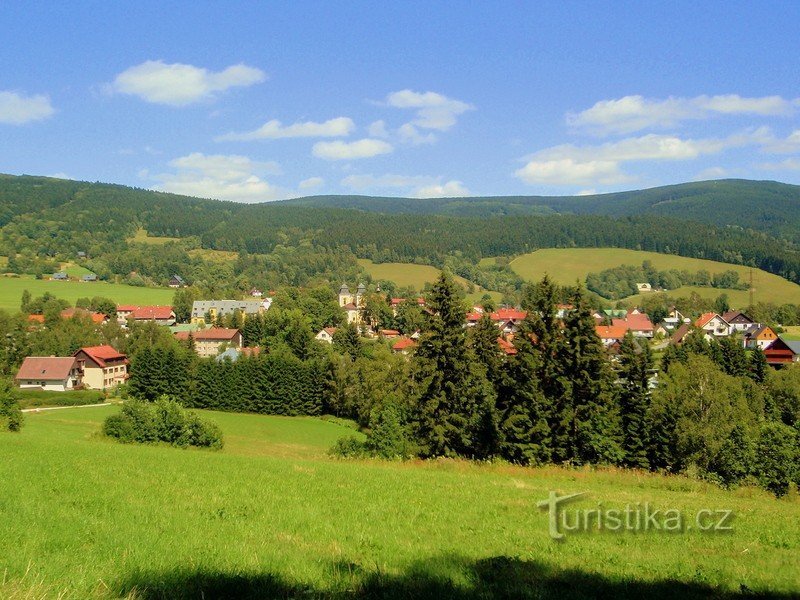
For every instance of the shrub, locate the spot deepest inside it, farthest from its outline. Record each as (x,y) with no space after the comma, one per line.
(11,418)
(777,457)
(388,437)
(348,447)
(164,420)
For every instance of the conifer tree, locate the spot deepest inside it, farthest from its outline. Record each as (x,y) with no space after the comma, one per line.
(453,400)
(758,366)
(595,430)
(347,340)
(484,338)
(635,363)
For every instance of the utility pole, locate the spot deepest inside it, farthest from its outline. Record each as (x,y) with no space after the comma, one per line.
(751,287)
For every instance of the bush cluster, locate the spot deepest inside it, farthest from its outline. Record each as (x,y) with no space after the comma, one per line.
(164,420)
(10,414)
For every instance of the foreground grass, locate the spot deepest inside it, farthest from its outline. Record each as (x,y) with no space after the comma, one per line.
(11,289)
(567,265)
(272,516)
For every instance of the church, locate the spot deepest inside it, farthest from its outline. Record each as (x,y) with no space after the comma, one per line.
(352,304)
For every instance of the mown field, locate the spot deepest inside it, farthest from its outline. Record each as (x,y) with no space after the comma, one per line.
(11,289)
(271,516)
(567,265)
(142,237)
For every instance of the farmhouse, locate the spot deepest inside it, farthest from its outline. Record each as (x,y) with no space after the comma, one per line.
(102,366)
(89,277)
(326,335)
(60,276)
(782,352)
(638,323)
(202,310)
(644,288)
(610,334)
(176,281)
(738,320)
(403,345)
(52,373)
(210,342)
(759,336)
(161,315)
(713,325)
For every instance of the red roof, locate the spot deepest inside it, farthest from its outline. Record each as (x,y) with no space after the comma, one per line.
(251,351)
(403,344)
(389,332)
(96,317)
(506,346)
(46,368)
(350,306)
(101,354)
(126,307)
(36,318)
(611,332)
(152,313)
(474,316)
(215,333)
(509,314)
(635,322)
(704,319)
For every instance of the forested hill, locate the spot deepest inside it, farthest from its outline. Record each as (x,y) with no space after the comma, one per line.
(763,205)
(43,217)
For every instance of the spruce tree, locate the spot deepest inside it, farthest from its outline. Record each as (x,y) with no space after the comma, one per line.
(595,429)
(453,400)
(635,363)
(485,345)
(347,341)
(758,366)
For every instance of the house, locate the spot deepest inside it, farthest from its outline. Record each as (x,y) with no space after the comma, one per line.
(638,322)
(81,254)
(176,281)
(782,352)
(221,308)
(506,346)
(60,276)
(759,336)
(103,367)
(644,288)
(234,354)
(326,335)
(738,320)
(562,310)
(256,293)
(680,334)
(51,373)
(713,325)
(210,342)
(610,334)
(89,277)
(404,345)
(161,315)
(675,319)
(389,334)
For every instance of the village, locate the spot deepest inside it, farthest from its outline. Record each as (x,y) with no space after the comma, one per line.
(104,368)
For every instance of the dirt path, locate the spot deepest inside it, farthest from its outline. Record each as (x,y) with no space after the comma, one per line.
(42,408)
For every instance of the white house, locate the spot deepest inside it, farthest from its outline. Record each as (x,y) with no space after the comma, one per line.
(52,373)
(713,325)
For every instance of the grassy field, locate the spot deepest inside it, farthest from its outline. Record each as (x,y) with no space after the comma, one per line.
(142,237)
(74,270)
(11,289)
(791,333)
(566,265)
(271,516)
(42,398)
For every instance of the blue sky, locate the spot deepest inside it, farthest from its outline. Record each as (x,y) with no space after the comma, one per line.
(262,101)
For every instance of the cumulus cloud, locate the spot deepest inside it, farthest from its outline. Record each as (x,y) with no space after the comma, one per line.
(449,189)
(219,176)
(789,164)
(788,145)
(634,113)
(377,129)
(311,183)
(18,109)
(410,134)
(433,110)
(569,164)
(338,127)
(338,150)
(711,173)
(177,84)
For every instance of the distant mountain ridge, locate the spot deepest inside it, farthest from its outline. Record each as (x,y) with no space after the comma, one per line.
(768,206)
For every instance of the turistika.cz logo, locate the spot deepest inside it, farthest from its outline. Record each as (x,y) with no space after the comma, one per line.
(633,518)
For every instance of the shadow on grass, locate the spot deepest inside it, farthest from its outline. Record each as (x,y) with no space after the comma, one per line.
(498,577)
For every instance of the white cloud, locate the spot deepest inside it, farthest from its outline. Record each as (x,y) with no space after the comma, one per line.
(789,164)
(788,145)
(568,171)
(224,177)
(338,150)
(177,84)
(338,127)
(311,183)
(410,134)
(634,113)
(433,111)
(711,173)
(588,192)
(377,129)
(16,109)
(61,175)
(450,189)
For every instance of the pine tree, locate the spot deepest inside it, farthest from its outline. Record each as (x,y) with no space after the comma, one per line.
(595,430)
(485,345)
(26,300)
(453,398)
(634,399)
(758,366)
(347,341)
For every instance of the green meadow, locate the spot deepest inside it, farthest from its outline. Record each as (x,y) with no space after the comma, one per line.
(272,516)
(568,265)
(11,289)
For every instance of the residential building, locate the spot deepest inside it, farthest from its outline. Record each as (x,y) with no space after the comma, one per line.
(644,288)
(738,320)
(782,352)
(638,322)
(103,367)
(326,335)
(713,325)
(675,319)
(96,317)
(89,277)
(161,315)
(201,309)
(51,373)
(60,276)
(176,281)
(680,334)
(610,334)
(404,345)
(389,334)
(210,342)
(759,336)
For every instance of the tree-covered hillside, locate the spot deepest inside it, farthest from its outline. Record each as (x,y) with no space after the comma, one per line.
(764,205)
